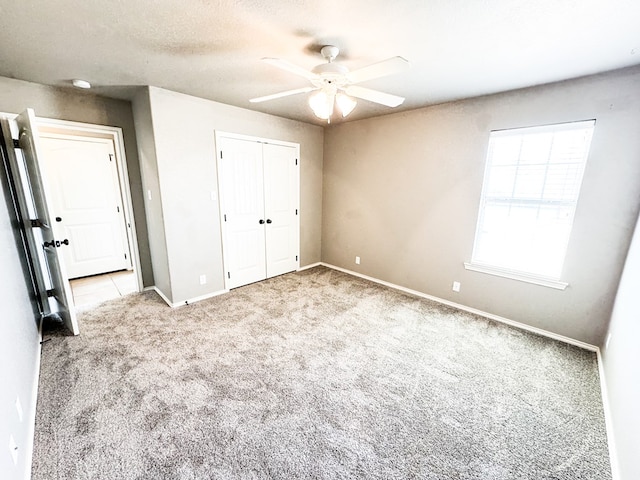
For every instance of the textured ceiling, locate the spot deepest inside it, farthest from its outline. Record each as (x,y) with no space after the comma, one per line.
(212,49)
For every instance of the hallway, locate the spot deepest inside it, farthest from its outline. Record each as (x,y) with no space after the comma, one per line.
(91,291)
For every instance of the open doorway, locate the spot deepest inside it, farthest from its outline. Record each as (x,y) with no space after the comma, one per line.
(86,170)
(42,225)
(90,291)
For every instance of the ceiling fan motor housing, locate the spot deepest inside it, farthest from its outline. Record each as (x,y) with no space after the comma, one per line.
(330,73)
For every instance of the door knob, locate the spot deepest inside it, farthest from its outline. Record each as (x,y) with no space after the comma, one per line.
(56,243)
(261,221)
(269,220)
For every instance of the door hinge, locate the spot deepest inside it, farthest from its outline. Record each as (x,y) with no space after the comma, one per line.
(225,217)
(296,211)
(296,161)
(111,157)
(228,274)
(296,258)
(220,154)
(125,256)
(118,208)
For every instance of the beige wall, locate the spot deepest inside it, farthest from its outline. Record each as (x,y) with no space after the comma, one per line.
(184,135)
(78,106)
(19,348)
(152,206)
(402,191)
(621,360)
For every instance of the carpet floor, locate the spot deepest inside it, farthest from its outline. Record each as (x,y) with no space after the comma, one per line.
(314,375)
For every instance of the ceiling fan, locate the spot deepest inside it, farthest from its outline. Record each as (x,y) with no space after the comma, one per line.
(334,85)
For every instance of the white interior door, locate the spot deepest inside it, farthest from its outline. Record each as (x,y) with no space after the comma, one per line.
(241,185)
(281,208)
(45,249)
(87,204)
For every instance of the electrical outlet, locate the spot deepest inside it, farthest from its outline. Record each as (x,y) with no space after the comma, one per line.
(357,260)
(456,286)
(203,279)
(13,449)
(19,409)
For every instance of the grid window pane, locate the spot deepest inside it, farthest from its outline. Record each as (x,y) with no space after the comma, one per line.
(531,188)
(506,152)
(535,148)
(529,182)
(500,183)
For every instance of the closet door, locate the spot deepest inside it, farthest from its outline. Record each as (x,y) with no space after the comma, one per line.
(242,188)
(281,208)
(259,202)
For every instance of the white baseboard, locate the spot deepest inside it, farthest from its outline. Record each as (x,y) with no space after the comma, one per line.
(186,302)
(307,267)
(608,420)
(200,298)
(159,292)
(491,316)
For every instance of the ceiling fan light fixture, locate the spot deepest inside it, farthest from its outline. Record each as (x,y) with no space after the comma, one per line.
(346,104)
(321,102)
(334,86)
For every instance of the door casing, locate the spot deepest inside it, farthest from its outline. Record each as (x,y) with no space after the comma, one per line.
(225,237)
(69,129)
(103,238)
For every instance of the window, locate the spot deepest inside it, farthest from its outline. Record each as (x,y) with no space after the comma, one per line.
(529,195)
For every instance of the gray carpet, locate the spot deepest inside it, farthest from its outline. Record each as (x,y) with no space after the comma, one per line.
(313,375)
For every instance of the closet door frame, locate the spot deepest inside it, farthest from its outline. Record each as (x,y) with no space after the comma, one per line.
(221,200)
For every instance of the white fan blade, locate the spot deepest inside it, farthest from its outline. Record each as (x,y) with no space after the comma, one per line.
(281,94)
(374,96)
(290,67)
(381,69)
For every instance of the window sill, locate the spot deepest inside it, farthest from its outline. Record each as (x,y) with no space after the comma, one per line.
(516,276)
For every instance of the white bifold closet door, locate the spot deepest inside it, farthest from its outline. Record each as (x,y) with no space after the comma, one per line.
(259,207)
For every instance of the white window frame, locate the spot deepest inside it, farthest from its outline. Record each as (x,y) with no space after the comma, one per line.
(501,271)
